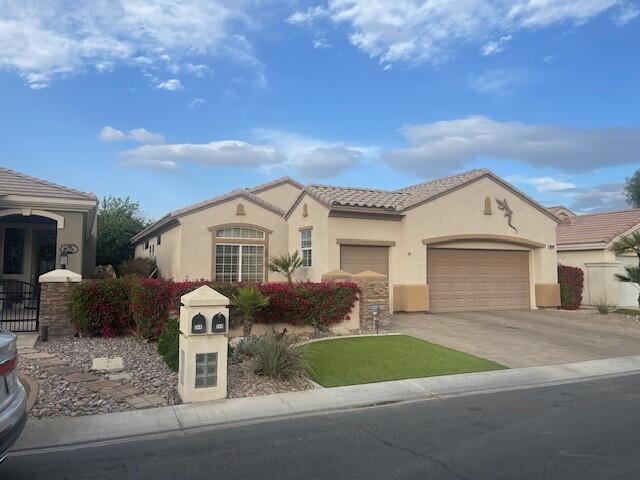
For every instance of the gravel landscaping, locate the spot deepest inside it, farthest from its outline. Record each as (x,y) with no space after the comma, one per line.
(68,386)
(149,376)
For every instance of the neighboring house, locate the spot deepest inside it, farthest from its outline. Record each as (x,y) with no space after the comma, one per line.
(37,218)
(466,242)
(585,241)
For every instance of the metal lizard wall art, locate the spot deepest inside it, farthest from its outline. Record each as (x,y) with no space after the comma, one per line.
(508,213)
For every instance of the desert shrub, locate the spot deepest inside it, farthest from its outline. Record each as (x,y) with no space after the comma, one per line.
(277,356)
(571,280)
(246,348)
(604,307)
(101,307)
(141,267)
(168,343)
(150,299)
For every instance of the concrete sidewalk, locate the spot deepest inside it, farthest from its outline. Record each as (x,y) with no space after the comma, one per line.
(68,431)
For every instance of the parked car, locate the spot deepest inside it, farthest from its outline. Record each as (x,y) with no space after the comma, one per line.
(13,398)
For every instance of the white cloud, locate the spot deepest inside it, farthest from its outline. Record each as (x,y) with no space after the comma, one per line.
(271,150)
(598,198)
(542,184)
(313,157)
(233,153)
(110,134)
(46,39)
(196,102)
(441,147)
(495,46)
(172,85)
(426,31)
(500,81)
(628,11)
(321,42)
(140,135)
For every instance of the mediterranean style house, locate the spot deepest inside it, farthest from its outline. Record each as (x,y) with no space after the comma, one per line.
(466,242)
(44,226)
(585,241)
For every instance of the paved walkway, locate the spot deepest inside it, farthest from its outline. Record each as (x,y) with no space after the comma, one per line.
(57,432)
(526,338)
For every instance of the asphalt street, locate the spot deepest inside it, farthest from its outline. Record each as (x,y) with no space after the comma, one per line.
(577,431)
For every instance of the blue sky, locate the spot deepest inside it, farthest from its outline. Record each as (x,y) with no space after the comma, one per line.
(172,102)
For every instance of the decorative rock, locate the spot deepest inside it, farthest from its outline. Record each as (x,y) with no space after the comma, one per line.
(80,377)
(120,377)
(38,355)
(115,364)
(51,362)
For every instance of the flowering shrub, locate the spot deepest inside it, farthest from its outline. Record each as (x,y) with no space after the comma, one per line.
(101,307)
(112,306)
(571,280)
(150,300)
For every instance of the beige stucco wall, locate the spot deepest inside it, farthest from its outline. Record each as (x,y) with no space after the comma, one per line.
(318,218)
(166,254)
(460,212)
(282,195)
(599,267)
(188,253)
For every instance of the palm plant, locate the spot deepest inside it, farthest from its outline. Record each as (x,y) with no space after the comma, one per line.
(631,275)
(630,243)
(286,265)
(247,302)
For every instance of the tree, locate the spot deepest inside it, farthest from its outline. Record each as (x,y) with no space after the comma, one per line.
(630,243)
(247,302)
(631,275)
(632,189)
(119,219)
(286,265)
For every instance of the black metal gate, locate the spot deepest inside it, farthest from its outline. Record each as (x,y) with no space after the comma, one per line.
(19,306)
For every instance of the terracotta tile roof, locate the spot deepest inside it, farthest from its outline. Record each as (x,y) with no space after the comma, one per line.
(16,183)
(597,228)
(390,199)
(276,182)
(556,209)
(172,216)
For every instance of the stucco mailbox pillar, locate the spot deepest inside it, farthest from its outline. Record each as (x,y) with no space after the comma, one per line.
(204,327)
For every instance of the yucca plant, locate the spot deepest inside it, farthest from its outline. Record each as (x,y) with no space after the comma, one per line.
(247,302)
(286,264)
(278,356)
(631,275)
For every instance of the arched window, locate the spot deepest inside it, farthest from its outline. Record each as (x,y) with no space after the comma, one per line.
(239,232)
(239,254)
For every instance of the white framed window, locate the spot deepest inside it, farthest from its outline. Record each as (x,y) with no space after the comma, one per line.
(239,263)
(305,247)
(239,232)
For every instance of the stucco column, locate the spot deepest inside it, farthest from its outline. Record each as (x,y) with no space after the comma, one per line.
(55,289)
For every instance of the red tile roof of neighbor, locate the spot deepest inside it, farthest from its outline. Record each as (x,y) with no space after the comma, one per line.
(597,228)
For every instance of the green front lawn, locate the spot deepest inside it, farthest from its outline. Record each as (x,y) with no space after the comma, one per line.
(351,361)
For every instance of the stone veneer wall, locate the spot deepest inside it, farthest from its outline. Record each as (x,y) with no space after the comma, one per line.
(54,308)
(374,290)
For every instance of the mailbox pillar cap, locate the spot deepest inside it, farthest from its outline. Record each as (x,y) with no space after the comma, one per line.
(205,296)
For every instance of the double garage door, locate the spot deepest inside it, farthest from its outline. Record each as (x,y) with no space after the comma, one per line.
(477,279)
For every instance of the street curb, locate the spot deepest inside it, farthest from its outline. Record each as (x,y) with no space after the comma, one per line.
(79,431)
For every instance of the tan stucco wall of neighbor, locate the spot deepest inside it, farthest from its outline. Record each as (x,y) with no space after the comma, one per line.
(187,251)
(282,195)
(599,267)
(317,218)
(411,298)
(547,295)
(166,254)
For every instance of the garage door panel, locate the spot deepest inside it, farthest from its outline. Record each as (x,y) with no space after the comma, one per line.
(359,258)
(477,279)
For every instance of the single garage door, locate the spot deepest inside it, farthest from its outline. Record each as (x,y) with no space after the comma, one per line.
(477,279)
(359,258)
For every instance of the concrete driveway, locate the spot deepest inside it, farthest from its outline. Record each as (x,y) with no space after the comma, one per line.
(526,338)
